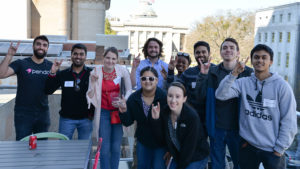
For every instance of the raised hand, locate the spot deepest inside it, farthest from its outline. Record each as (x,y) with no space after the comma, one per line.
(56,65)
(163,72)
(204,67)
(136,61)
(94,76)
(172,63)
(167,158)
(13,49)
(122,105)
(155,111)
(239,67)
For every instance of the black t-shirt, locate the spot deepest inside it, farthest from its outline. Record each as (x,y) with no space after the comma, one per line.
(31,82)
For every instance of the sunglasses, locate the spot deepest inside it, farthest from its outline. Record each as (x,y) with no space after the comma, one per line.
(149,78)
(182,54)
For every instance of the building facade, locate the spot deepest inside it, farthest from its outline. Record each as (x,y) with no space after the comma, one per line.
(76,19)
(279,28)
(144,24)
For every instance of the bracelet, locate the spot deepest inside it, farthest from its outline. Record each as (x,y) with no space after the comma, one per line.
(52,74)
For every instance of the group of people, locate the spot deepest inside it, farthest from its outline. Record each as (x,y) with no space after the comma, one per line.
(181,120)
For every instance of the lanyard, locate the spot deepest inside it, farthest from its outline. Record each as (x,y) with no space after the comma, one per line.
(77,81)
(80,77)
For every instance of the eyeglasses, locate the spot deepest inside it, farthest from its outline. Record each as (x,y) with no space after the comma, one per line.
(182,54)
(149,78)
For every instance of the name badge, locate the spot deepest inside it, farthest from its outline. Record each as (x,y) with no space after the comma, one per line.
(117,80)
(69,83)
(193,85)
(269,103)
(182,125)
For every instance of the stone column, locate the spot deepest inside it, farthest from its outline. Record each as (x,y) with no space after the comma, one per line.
(88,19)
(53,16)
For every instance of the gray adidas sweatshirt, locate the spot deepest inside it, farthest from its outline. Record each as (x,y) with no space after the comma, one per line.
(268,117)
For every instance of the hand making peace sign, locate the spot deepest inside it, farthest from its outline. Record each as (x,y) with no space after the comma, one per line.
(239,67)
(12,50)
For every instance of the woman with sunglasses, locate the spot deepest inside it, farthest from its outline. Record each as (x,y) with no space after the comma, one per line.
(104,93)
(182,61)
(150,152)
(182,130)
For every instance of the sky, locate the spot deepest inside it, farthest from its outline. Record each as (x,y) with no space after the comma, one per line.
(187,12)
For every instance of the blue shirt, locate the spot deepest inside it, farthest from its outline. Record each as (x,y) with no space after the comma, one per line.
(156,66)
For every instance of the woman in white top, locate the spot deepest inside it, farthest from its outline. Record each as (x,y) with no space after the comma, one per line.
(104,92)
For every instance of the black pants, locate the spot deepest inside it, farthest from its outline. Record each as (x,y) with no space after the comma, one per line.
(251,157)
(27,123)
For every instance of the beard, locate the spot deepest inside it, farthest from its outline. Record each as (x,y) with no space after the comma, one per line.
(38,55)
(204,61)
(77,64)
(155,56)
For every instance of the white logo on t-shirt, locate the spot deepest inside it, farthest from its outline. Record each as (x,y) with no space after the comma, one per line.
(32,71)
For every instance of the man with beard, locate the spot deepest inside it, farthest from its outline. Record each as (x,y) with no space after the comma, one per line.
(190,75)
(31,108)
(221,115)
(152,51)
(74,82)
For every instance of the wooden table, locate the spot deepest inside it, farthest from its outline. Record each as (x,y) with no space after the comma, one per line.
(49,154)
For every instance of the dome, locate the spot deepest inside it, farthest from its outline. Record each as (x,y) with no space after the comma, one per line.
(144,10)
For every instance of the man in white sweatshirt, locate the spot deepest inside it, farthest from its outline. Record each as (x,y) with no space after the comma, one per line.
(267,120)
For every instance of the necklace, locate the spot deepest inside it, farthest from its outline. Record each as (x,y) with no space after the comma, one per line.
(109,76)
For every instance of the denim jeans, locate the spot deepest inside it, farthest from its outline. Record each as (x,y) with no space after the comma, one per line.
(251,157)
(149,158)
(194,165)
(84,127)
(111,145)
(27,123)
(218,148)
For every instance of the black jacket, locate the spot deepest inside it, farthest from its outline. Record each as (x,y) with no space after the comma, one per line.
(73,103)
(190,134)
(135,112)
(220,114)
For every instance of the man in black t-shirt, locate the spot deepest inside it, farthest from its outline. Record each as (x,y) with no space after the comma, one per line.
(31,108)
(74,83)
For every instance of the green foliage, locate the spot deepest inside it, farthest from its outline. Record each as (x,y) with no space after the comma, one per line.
(214,29)
(108,30)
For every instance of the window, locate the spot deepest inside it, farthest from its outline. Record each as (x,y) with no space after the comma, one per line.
(289,37)
(132,41)
(286,78)
(273,36)
(156,35)
(131,34)
(273,19)
(287,59)
(266,37)
(280,19)
(278,58)
(280,36)
(259,37)
(148,35)
(141,39)
(289,17)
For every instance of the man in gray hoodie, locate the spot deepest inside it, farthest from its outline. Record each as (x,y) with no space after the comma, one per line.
(268,120)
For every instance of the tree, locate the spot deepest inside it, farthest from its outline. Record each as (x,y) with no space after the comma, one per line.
(108,30)
(214,29)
